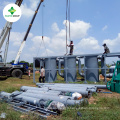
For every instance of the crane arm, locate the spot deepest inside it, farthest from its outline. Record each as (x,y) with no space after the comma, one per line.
(26,35)
(4,33)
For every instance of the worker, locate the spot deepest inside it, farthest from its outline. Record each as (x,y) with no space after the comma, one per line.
(42,75)
(71,47)
(106,49)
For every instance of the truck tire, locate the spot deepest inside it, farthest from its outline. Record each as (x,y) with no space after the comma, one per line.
(17,73)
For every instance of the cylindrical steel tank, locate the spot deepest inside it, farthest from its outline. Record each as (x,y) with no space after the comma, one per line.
(70,69)
(92,73)
(50,69)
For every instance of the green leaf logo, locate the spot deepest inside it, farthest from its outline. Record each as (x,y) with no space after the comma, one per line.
(12,10)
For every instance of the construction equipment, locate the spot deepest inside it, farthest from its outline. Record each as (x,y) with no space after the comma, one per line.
(114,84)
(8,69)
(4,33)
(26,35)
(16,69)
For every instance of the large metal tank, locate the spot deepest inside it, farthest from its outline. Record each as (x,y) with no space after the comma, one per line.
(50,70)
(70,69)
(91,63)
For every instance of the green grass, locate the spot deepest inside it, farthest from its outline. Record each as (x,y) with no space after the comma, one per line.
(15,115)
(104,109)
(10,113)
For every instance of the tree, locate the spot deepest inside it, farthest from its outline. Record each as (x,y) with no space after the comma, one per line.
(11,62)
(31,64)
(24,62)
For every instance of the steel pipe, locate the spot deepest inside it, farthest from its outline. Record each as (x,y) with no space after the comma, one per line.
(25,88)
(73,85)
(83,92)
(63,99)
(5,94)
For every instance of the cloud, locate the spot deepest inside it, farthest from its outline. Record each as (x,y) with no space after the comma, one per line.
(88,45)
(105,27)
(57,43)
(61,34)
(26,10)
(38,39)
(39,45)
(45,52)
(113,44)
(79,29)
(29,9)
(55,27)
(16,37)
(11,55)
(33,4)
(33,48)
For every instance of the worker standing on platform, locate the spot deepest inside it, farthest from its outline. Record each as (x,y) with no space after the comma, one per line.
(106,49)
(42,75)
(71,47)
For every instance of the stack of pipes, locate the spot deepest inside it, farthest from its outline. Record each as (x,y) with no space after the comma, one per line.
(85,92)
(44,97)
(52,96)
(85,89)
(72,84)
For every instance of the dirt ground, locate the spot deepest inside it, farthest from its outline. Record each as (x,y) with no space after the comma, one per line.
(92,100)
(102,78)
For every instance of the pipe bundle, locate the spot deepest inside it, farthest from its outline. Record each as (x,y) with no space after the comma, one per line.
(50,97)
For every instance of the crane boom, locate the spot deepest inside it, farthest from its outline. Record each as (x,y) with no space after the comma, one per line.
(6,49)
(4,33)
(26,35)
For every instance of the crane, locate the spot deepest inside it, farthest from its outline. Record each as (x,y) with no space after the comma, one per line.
(26,35)
(4,33)
(8,26)
(17,69)
(5,70)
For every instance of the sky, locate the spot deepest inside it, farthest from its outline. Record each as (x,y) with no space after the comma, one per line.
(92,23)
